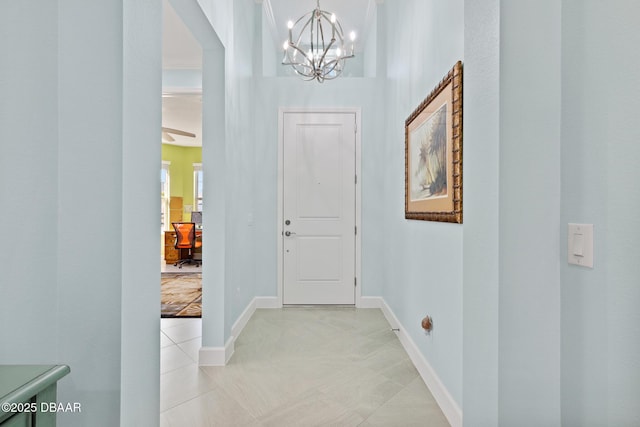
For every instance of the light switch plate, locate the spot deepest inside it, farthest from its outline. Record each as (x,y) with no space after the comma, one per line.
(580,244)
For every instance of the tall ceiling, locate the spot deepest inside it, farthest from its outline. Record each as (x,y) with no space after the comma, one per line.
(183,111)
(353,15)
(181,51)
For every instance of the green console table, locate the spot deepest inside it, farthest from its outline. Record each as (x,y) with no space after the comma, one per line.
(28,394)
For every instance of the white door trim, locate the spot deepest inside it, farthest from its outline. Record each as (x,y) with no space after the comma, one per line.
(280,219)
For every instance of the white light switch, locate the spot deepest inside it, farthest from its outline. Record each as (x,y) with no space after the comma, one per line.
(580,244)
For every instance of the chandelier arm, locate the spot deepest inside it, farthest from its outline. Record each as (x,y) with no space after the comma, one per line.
(305,68)
(336,28)
(341,37)
(302,30)
(303,17)
(337,74)
(320,35)
(305,71)
(340,30)
(304,55)
(313,23)
(306,77)
(334,25)
(331,65)
(325,52)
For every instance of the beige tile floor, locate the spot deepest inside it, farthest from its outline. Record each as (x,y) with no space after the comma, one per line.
(296,367)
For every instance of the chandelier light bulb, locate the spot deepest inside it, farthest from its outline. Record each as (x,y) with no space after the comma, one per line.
(352,35)
(285,45)
(290,24)
(333,18)
(338,52)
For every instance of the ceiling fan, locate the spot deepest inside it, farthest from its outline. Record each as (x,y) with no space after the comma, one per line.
(166,134)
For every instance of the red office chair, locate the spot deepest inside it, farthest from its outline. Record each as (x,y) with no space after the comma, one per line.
(186,239)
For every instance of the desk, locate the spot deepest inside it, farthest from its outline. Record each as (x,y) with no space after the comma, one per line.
(25,390)
(173,255)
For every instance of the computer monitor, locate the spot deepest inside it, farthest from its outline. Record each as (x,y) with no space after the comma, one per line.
(196,216)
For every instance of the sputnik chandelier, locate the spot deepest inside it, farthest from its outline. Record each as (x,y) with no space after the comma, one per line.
(315,58)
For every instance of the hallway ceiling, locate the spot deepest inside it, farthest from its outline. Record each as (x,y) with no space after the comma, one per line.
(354,15)
(181,51)
(183,111)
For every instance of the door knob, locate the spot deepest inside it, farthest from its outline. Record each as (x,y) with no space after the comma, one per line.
(288,233)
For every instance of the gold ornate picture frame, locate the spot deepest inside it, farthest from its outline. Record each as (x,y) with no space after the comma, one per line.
(433,154)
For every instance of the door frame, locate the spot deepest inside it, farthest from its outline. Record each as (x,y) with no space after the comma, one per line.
(358,253)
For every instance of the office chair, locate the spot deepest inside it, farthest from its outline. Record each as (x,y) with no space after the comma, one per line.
(186,239)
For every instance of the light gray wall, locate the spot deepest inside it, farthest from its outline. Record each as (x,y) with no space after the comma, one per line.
(241,251)
(228,158)
(64,107)
(529,306)
(600,152)
(93,279)
(141,154)
(422,260)
(481,276)
(537,110)
(567,344)
(214,73)
(28,181)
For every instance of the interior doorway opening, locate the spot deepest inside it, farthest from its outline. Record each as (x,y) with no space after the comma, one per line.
(181,172)
(208,81)
(181,177)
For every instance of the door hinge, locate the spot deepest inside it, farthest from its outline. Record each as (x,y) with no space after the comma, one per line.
(356,230)
(355,281)
(356,179)
(355,127)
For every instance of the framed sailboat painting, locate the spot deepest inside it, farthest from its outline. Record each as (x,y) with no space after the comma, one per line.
(433,154)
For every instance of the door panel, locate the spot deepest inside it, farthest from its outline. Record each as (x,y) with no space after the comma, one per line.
(319,203)
(319,258)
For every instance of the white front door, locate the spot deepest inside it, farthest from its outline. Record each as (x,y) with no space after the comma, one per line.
(319,196)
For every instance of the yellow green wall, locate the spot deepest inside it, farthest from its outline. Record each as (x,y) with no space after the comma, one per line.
(181,172)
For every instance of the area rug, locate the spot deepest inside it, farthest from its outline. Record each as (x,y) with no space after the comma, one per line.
(181,295)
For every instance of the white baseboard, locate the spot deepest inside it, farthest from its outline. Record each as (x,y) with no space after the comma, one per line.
(370,302)
(219,356)
(268,302)
(216,356)
(440,393)
(244,318)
